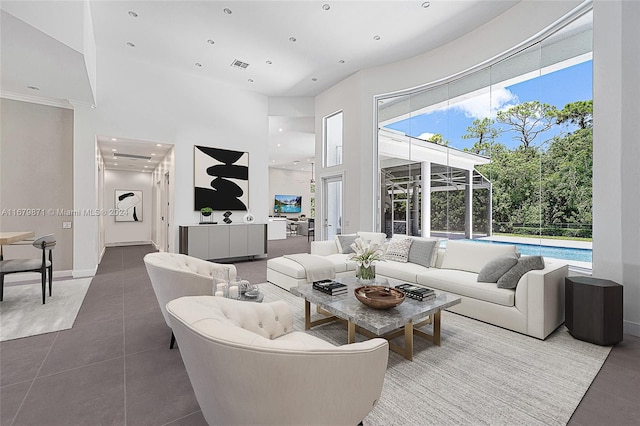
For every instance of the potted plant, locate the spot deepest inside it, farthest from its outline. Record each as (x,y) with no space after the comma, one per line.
(365,253)
(206,211)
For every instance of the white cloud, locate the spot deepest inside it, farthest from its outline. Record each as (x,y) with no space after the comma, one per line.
(426,136)
(485,104)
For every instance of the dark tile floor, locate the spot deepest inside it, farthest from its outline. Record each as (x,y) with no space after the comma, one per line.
(114,366)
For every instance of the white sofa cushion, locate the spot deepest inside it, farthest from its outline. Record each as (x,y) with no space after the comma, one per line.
(374,237)
(471,257)
(466,284)
(399,271)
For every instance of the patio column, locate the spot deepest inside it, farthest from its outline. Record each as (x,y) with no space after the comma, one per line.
(426,199)
(468,204)
(490,211)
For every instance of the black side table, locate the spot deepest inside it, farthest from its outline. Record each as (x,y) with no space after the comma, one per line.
(593,310)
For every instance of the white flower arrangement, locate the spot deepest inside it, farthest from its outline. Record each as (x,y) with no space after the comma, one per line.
(366,252)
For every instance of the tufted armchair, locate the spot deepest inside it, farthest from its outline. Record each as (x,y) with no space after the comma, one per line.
(175,275)
(248,367)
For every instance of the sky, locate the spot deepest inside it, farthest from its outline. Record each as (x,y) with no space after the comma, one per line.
(558,88)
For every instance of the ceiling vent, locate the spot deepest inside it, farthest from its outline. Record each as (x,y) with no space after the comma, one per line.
(239,64)
(134,156)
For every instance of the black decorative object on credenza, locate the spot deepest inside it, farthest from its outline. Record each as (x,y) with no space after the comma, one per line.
(226,217)
(229,189)
(593,310)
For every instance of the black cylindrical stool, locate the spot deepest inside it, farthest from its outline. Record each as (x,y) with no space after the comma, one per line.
(593,310)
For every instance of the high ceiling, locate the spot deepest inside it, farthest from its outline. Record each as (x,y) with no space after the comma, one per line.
(287,48)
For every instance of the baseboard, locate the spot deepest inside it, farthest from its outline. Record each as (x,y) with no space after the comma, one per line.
(632,328)
(104,249)
(80,273)
(129,243)
(31,276)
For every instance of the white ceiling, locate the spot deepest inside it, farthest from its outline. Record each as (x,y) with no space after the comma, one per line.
(112,150)
(334,39)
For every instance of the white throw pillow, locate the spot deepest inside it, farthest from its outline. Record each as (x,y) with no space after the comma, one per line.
(398,250)
(374,237)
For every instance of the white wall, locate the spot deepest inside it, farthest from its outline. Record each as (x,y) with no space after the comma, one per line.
(162,218)
(121,233)
(616,151)
(139,100)
(290,182)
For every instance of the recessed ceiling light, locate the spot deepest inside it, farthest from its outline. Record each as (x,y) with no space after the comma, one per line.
(308,159)
(250,80)
(148,161)
(153,154)
(198,64)
(146,167)
(33,88)
(273,161)
(292,39)
(314,79)
(114,150)
(115,164)
(211,41)
(280,129)
(426,4)
(326,7)
(227,11)
(377,37)
(114,139)
(130,44)
(133,14)
(278,144)
(341,61)
(158,144)
(269,62)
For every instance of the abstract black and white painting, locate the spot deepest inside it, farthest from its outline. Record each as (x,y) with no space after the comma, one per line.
(128,205)
(221,178)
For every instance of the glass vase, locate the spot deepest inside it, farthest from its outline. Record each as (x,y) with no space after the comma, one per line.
(366,274)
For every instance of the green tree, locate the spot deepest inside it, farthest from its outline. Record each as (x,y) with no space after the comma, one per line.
(579,113)
(484,132)
(438,139)
(528,120)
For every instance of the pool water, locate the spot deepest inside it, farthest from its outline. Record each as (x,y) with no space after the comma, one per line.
(566,253)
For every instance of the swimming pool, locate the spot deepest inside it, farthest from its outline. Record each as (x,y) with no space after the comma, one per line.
(566,253)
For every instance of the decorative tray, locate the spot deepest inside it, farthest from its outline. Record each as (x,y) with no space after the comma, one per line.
(379,297)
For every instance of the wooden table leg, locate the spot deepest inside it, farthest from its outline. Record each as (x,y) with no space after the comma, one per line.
(408,341)
(351,332)
(436,328)
(307,314)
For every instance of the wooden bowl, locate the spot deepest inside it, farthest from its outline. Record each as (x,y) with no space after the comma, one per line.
(379,297)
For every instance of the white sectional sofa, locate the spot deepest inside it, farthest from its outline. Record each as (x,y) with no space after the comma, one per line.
(535,307)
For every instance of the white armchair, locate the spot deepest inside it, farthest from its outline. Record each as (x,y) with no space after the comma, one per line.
(175,275)
(247,366)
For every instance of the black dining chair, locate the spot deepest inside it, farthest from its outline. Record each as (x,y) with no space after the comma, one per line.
(12,266)
(311,230)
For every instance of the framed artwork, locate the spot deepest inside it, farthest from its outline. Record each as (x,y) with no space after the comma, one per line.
(221,179)
(129,205)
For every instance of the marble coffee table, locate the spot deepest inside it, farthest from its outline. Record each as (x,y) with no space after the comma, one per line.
(405,319)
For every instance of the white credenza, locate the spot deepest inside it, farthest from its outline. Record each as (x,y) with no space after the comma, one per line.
(217,242)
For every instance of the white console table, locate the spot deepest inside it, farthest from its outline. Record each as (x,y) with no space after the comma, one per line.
(277,229)
(217,242)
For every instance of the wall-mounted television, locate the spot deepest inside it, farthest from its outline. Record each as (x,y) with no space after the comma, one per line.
(288,204)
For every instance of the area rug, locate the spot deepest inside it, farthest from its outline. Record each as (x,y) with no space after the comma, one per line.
(481,374)
(22,313)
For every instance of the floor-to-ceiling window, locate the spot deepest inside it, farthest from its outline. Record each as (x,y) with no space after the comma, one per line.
(502,154)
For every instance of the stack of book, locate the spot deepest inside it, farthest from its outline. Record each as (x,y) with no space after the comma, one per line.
(331,287)
(417,292)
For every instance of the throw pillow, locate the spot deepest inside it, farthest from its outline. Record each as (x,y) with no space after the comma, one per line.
(398,250)
(524,265)
(496,268)
(421,252)
(344,243)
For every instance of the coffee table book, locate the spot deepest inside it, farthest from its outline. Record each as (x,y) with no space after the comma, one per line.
(330,287)
(417,292)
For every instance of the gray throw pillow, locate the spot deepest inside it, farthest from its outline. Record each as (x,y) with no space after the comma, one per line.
(524,265)
(421,252)
(345,242)
(496,268)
